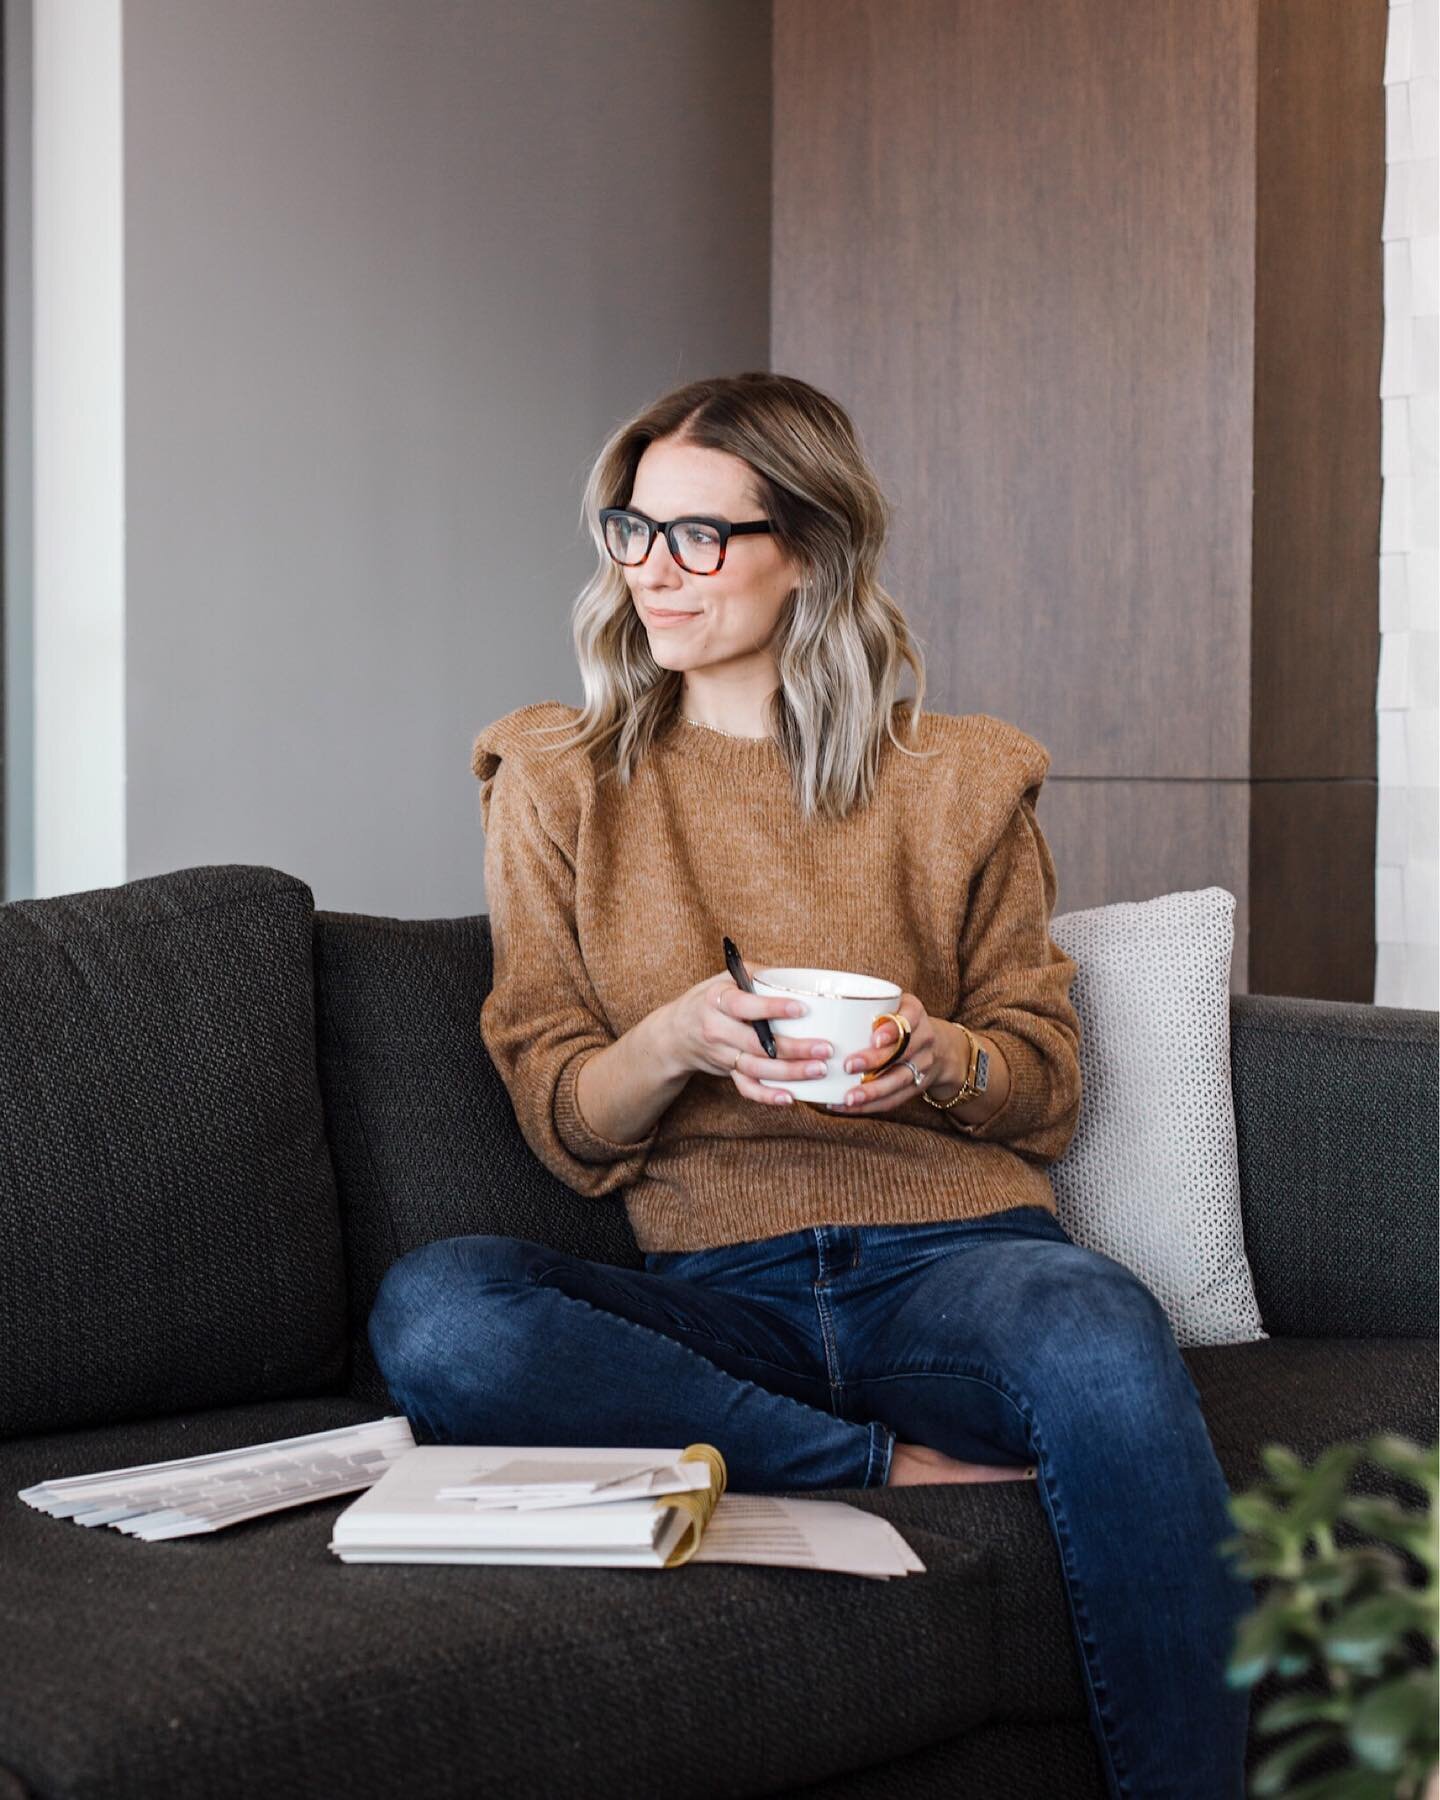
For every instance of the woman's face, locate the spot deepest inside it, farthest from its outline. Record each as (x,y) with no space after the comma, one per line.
(732,615)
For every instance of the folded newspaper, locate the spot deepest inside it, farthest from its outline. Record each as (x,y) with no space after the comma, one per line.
(558,1504)
(206,1493)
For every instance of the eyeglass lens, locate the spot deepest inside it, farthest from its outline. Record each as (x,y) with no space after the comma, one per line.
(699,545)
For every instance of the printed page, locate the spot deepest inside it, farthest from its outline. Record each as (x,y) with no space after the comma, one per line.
(805,1534)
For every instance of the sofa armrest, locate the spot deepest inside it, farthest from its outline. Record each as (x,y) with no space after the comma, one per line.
(1335,1116)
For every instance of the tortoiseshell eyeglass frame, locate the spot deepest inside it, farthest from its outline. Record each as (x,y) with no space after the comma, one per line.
(723,526)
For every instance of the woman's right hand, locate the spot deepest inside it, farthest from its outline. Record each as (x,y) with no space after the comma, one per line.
(714,1020)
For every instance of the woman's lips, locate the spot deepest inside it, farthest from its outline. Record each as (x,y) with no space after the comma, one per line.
(670,618)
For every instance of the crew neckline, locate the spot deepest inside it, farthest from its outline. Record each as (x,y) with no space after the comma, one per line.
(704,742)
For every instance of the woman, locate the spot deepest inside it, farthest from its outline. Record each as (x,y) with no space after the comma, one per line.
(873,1293)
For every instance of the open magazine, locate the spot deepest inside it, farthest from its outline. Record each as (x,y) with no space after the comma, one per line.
(608,1508)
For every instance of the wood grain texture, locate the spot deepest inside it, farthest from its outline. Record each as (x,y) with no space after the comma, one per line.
(1319,313)
(1042,252)
(1314,839)
(1319,323)
(1017,241)
(1131,840)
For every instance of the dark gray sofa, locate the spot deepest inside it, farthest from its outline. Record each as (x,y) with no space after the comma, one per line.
(224,1115)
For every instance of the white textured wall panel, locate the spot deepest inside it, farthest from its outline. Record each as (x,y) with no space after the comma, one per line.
(1407,891)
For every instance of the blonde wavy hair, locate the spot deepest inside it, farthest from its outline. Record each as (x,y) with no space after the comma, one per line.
(841,640)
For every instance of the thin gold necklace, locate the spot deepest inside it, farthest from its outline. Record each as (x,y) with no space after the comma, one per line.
(738,736)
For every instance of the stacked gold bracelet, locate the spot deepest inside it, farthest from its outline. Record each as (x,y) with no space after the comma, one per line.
(968,1089)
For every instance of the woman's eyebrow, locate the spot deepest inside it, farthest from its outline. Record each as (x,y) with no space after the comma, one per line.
(694,514)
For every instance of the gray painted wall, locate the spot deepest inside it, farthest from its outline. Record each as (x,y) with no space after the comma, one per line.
(376,327)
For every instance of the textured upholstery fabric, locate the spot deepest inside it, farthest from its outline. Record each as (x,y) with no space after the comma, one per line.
(252,1662)
(169,1234)
(1336,1106)
(421,1128)
(1151,1177)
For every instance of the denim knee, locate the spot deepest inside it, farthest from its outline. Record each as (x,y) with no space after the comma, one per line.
(405,1303)
(410,1322)
(1096,1315)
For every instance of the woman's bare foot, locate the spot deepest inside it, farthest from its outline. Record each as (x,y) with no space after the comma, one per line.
(913,1464)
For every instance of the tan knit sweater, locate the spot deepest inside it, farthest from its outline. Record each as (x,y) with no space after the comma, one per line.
(606,902)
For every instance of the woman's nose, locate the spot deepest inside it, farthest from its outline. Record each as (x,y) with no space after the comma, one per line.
(659,568)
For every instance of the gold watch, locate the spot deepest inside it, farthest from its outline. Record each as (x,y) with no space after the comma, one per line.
(976,1078)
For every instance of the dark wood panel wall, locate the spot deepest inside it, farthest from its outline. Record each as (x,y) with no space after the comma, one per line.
(1039,250)
(1315,634)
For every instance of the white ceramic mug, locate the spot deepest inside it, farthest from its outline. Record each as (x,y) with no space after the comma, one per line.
(845,1010)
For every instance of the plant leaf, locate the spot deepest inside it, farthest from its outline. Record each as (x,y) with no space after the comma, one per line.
(1301,1709)
(1260,1637)
(1255,1512)
(1283,1464)
(1419,1463)
(1391,1721)
(1346,1784)
(1271,1774)
(1360,1636)
(1324,1489)
(1383,1518)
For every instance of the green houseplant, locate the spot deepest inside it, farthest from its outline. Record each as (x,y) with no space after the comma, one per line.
(1353,1613)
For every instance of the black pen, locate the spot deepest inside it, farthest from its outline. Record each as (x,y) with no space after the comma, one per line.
(737,969)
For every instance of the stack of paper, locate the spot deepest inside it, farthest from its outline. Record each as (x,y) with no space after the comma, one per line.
(643,1508)
(498,1503)
(205,1493)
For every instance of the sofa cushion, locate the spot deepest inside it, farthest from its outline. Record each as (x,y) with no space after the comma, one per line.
(421,1127)
(253,1661)
(1336,1110)
(169,1231)
(1151,1177)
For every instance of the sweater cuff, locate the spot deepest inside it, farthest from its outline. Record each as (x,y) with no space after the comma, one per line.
(1029,1096)
(572,1128)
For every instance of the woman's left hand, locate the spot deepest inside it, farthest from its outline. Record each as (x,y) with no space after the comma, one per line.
(888,1092)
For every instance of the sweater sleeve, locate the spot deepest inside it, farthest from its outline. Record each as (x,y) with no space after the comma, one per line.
(1015,987)
(542,1021)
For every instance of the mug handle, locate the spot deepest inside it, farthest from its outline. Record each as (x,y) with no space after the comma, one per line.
(903,1026)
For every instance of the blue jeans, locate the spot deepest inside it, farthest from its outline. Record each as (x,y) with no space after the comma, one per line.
(802,1357)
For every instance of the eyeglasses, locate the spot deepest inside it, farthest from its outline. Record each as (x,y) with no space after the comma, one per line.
(698,545)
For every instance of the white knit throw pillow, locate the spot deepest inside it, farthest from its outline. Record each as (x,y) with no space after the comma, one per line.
(1151,1177)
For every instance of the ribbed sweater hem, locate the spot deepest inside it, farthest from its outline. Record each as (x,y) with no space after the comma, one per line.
(790,1195)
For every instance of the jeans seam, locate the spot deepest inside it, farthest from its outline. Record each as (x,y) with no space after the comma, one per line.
(831,1348)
